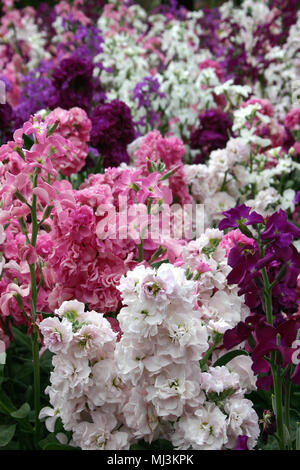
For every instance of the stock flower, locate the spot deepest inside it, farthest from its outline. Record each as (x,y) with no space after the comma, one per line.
(6,122)
(213,133)
(240,215)
(279,230)
(112,131)
(72,80)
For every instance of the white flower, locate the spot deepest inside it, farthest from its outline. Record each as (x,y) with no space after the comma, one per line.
(206,430)
(57,334)
(172,388)
(242,420)
(71,309)
(218,379)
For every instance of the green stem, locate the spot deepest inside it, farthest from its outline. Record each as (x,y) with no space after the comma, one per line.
(278,401)
(141,250)
(274,367)
(287,404)
(36,382)
(206,356)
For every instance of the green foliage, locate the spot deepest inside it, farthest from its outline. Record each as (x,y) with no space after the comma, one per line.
(16,394)
(222,361)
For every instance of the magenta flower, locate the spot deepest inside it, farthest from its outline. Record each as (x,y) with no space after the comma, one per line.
(238,216)
(280,230)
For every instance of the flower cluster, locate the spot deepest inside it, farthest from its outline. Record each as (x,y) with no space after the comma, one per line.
(149,384)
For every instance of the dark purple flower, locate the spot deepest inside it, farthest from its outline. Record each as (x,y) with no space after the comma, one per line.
(240,215)
(280,230)
(270,338)
(112,131)
(236,335)
(73,83)
(241,443)
(296,199)
(213,133)
(6,122)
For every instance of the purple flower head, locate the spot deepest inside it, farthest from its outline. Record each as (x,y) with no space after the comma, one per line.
(8,85)
(296,199)
(210,24)
(280,230)
(73,83)
(144,92)
(236,335)
(238,216)
(213,133)
(236,65)
(6,122)
(171,10)
(112,131)
(35,95)
(241,443)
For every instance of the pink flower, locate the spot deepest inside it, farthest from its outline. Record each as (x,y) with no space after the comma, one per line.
(266,105)
(154,148)
(233,237)
(28,253)
(292,120)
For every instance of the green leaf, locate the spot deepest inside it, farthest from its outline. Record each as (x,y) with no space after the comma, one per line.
(28,142)
(6,405)
(22,412)
(222,361)
(46,361)
(21,338)
(51,443)
(7,432)
(1,373)
(58,446)
(298,436)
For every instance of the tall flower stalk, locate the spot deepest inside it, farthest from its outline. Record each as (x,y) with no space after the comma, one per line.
(266,272)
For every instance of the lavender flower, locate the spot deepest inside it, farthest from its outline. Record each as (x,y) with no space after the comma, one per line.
(144,92)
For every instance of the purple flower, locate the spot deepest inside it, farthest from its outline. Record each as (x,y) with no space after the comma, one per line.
(213,133)
(241,443)
(144,92)
(296,199)
(280,230)
(35,95)
(6,122)
(238,216)
(112,131)
(236,335)
(73,82)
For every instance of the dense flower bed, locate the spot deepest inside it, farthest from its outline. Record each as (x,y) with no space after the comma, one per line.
(149,226)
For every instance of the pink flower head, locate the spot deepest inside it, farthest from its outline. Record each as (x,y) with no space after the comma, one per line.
(233,237)
(292,120)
